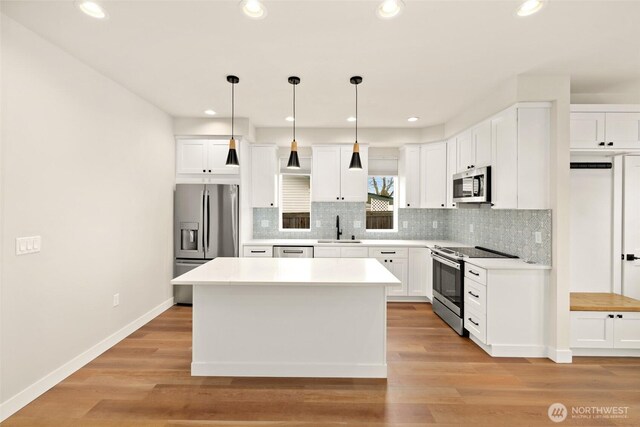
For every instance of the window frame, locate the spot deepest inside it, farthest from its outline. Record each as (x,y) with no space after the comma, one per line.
(395,207)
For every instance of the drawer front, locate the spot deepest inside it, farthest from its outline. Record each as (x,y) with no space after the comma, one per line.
(326,252)
(258,251)
(475,296)
(476,324)
(358,252)
(476,273)
(388,252)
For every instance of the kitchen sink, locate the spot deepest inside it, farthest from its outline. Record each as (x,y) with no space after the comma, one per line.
(339,241)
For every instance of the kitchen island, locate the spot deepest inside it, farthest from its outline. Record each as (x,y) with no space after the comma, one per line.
(289,317)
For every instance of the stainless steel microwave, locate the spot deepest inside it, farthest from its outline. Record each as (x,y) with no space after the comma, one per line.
(472,186)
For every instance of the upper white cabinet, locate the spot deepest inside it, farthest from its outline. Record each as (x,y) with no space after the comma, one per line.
(452,169)
(465,151)
(409,176)
(264,176)
(434,175)
(608,127)
(504,171)
(332,180)
(203,156)
(474,147)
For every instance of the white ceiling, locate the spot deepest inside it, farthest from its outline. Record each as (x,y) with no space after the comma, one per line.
(433,61)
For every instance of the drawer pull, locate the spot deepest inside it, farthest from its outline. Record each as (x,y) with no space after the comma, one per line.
(474,295)
(619,316)
(474,273)
(610,316)
(387,252)
(259,252)
(477,324)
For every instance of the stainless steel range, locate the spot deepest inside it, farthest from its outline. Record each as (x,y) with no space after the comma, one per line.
(448,281)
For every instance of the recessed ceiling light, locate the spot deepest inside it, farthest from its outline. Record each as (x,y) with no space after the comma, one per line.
(253,9)
(351,119)
(289,119)
(92,9)
(413,119)
(210,112)
(529,7)
(390,8)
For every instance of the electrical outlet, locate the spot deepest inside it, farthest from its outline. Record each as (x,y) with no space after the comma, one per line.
(318,223)
(357,224)
(405,224)
(435,224)
(470,228)
(28,245)
(538,237)
(116,300)
(264,223)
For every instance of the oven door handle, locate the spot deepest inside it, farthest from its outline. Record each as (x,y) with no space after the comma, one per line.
(445,261)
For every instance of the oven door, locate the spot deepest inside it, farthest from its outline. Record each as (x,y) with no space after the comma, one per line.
(447,283)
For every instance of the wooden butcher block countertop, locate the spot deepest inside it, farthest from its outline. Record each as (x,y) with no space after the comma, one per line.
(588,301)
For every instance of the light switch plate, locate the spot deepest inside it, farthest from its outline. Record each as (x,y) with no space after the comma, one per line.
(405,224)
(435,224)
(357,224)
(470,228)
(538,237)
(28,245)
(264,223)
(116,300)
(318,223)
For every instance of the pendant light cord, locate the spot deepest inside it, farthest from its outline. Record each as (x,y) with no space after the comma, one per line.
(294,112)
(233,108)
(356,113)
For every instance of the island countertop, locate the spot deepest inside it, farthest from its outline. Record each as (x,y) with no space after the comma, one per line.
(290,272)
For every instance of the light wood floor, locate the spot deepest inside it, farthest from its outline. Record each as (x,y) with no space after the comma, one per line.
(434,377)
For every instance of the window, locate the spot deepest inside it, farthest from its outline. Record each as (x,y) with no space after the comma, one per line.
(381,209)
(295,202)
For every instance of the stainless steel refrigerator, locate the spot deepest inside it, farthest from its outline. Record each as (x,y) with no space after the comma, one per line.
(205,227)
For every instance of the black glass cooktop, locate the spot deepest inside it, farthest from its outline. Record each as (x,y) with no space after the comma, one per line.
(476,252)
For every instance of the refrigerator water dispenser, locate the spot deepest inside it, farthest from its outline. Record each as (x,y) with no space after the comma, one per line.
(189,236)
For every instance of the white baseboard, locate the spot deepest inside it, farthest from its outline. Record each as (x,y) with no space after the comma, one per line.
(607,352)
(559,356)
(32,392)
(407,299)
(296,370)
(500,350)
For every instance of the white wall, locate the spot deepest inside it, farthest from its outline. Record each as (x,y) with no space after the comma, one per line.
(89,166)
(310,136)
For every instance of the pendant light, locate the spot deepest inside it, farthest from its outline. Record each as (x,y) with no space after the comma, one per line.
(232,155)
(356,164)
(294,160)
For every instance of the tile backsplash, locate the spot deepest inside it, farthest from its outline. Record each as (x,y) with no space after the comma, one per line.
(511,231)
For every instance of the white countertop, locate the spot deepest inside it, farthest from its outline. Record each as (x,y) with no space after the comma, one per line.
(368,243)
(289,271)
(505,264)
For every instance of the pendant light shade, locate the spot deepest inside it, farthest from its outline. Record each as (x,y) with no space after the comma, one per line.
(356,163)
(294,160)
(232,155)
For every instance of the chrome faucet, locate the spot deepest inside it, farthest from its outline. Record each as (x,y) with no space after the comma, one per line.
(338,231)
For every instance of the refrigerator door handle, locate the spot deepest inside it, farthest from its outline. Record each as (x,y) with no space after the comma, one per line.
(234,217)
(204,228)
(208,221)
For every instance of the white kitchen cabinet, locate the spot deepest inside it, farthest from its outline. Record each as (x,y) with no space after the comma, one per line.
(331,178)
(504,170)
(587,130)
(482,144)
(452,169)
(409,176)
(622,130)
(465,151)
(534,137)
(434,175)
(602,329)
(353,183)
(420,278)
(257,251)
(399,268)
(204,156)
(264,176)
(354,252)
(326,252)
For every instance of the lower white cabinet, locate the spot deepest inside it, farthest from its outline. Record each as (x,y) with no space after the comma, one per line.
(420,279)
(257,251)
(399,268)
(340,252)
(601,329)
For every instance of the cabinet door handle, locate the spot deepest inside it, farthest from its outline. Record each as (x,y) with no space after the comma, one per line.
(388,252)
(259,252)
(204,170)
(470,320)
(390,260)
(209,170)
(619,316)
(408,204)
(442,205)
(611,316)
(271,204)
(337,198)
(601,144)
(343,198)
(474,273)
(474,295)
(610,144)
